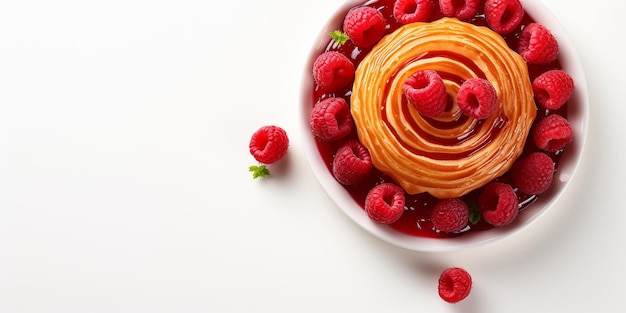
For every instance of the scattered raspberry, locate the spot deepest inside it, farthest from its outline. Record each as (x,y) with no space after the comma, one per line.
(450,215)
(537,45)
(498,204)
(352,163)
(455,284)
(553,133)
(365,26)
(553,88)
(385,203)
(410,11)
(269,144)
(427,92)
(461,9)
(477,98)
(330,119)
(533,174)
(333,70)
(503,16)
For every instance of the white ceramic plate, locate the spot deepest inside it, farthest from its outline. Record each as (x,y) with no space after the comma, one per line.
(577,116)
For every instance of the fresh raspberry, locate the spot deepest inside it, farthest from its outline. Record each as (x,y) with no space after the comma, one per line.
(426,91)
(385,203)
(455,284)
(553,88)
(537,45)
(269,144)
(450,215)
(461,9)
(411,11)
(498,204)
(553,133)
(365,26)
(352,163)
(503,16)
(477,98)
(331,120)
(333,70)
(533,174)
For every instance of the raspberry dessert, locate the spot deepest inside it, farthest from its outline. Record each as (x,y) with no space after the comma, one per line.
(454,110)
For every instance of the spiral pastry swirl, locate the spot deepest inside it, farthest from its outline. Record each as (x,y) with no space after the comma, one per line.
(452,154)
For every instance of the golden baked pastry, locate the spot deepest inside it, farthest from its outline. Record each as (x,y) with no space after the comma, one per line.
(449,155)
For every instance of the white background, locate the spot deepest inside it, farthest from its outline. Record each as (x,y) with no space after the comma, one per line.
(124,130)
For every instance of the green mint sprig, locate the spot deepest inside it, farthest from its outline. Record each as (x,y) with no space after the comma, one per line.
(339,37)
(259,171)
(474,213)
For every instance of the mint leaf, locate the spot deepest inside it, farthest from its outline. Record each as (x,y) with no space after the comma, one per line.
(339,37)
(259,171)
(474,214)
(474,217)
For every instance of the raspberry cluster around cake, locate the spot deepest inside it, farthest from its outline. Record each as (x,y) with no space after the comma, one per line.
(530,117)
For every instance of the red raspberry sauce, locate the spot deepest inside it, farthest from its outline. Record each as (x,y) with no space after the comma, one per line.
(416,219)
